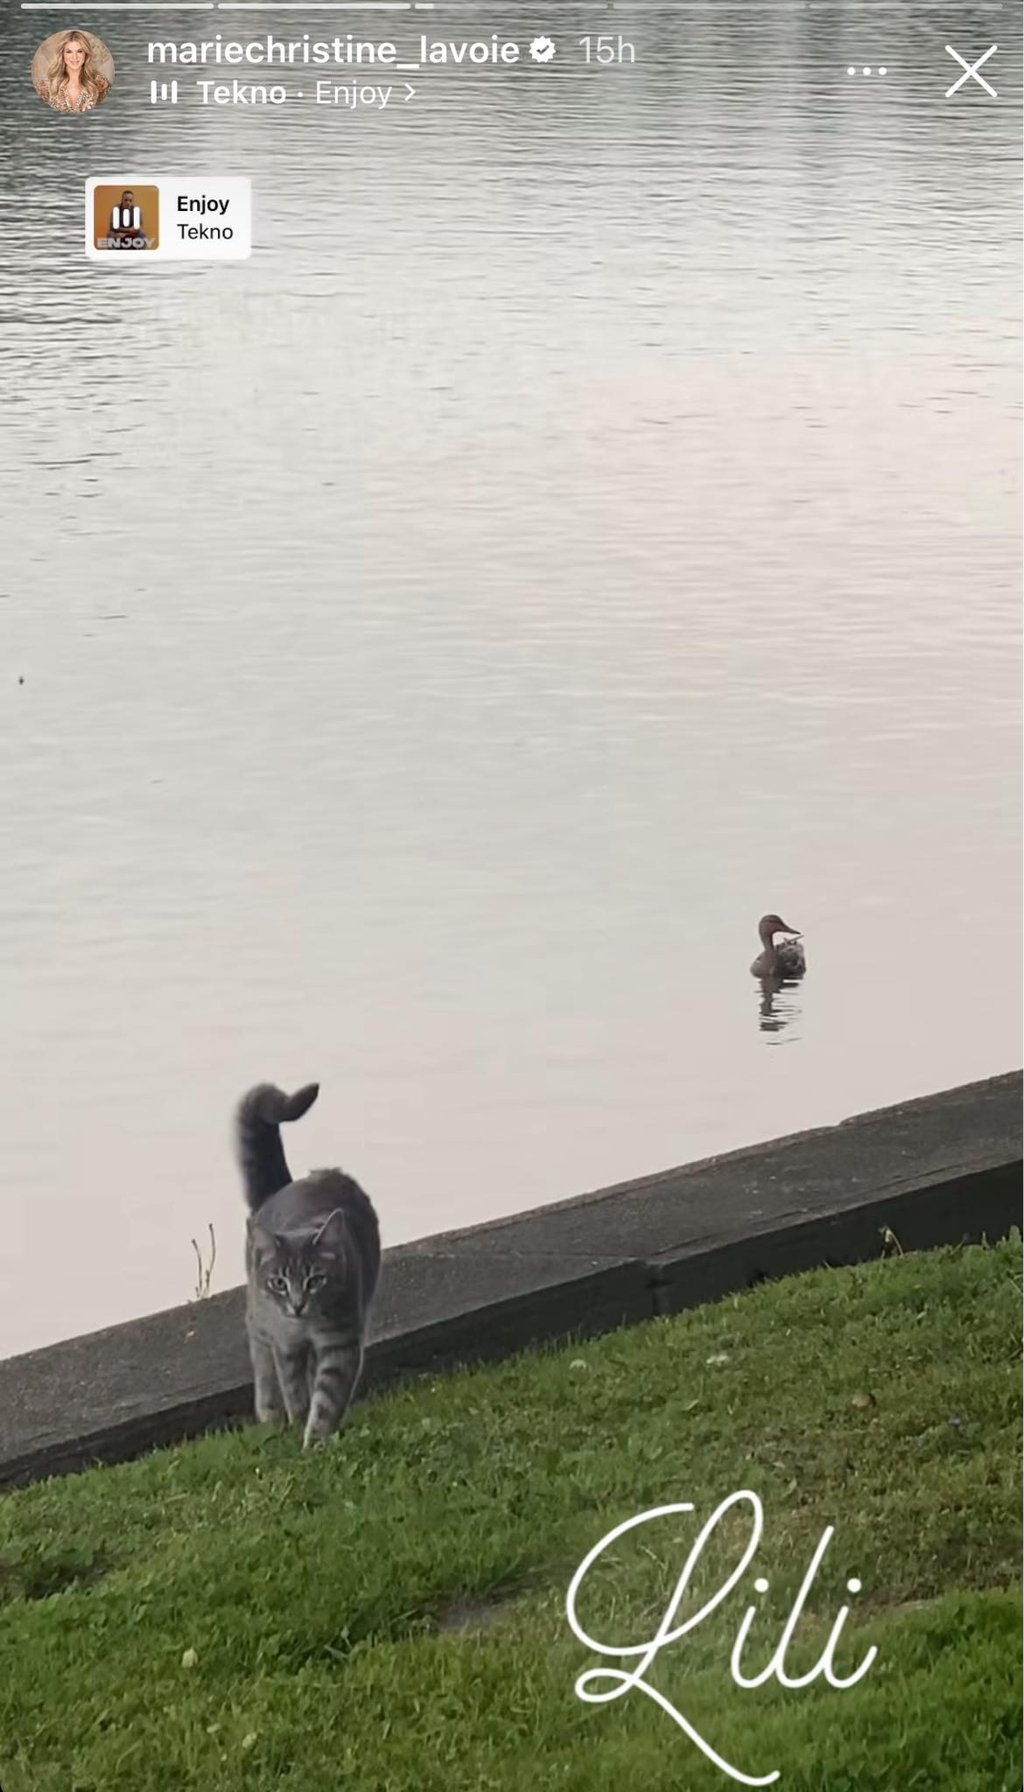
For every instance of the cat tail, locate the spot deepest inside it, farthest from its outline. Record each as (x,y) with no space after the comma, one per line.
(258,1139)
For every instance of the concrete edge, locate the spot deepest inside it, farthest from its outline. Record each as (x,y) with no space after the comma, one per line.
(1010,1083)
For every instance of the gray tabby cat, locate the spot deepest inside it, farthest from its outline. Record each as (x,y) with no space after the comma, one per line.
(312,1260)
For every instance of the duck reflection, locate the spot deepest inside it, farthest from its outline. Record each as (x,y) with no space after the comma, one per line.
(778,1007)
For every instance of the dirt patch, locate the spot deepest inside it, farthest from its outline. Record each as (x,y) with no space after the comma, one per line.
(40,1576)
(467,1615)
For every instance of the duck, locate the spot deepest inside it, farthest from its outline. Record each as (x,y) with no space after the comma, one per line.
(783,960)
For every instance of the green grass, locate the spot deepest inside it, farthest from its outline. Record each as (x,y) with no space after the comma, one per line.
(388,1615)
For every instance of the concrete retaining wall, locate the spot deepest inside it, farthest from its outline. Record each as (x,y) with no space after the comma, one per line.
(935,1171)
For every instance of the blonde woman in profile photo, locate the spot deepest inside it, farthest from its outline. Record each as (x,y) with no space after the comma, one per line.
(76,74)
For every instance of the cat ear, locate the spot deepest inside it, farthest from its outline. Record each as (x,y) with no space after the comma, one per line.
(264,1243)
(332,1233)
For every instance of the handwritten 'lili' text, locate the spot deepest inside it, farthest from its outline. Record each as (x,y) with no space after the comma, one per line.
(600,1686)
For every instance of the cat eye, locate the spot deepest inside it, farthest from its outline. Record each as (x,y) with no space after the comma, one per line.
(315,1279)
(277,1284)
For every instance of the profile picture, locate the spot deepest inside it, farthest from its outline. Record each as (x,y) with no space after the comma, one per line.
(126,218)
(72,71)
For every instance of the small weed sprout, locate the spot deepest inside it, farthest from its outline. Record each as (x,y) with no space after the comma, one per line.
(204,1271)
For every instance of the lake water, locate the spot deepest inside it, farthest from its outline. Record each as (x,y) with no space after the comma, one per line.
(589,521)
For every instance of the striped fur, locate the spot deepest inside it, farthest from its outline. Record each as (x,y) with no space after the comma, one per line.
(312,1266)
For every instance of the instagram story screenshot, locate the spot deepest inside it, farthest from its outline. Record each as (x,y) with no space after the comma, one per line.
(510,912)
